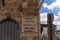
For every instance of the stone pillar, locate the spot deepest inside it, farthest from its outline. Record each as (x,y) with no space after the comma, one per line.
(51,27)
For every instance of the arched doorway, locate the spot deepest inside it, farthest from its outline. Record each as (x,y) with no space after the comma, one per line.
(9,30)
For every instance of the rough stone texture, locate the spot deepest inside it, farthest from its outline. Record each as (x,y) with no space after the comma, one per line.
(16,10)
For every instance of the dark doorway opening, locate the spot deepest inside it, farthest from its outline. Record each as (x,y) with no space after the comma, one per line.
(9,30)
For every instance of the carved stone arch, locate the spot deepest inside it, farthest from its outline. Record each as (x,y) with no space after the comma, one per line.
(18,20)
(9,30)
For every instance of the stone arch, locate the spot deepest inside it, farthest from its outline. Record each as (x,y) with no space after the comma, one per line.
(9,30)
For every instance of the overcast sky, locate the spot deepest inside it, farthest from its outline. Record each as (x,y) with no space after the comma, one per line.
(51,6)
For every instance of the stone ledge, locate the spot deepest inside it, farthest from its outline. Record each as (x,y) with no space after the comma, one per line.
(32,34)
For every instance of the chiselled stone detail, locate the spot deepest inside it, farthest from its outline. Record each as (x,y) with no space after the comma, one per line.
(26,14)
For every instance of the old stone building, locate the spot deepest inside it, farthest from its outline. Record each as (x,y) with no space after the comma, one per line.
(19,20)
(48,29)
(45,31)
(58,34)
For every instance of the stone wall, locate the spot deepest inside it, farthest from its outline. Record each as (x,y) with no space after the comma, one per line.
(17,10)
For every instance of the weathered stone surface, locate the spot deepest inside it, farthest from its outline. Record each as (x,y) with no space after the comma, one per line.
(19,9)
